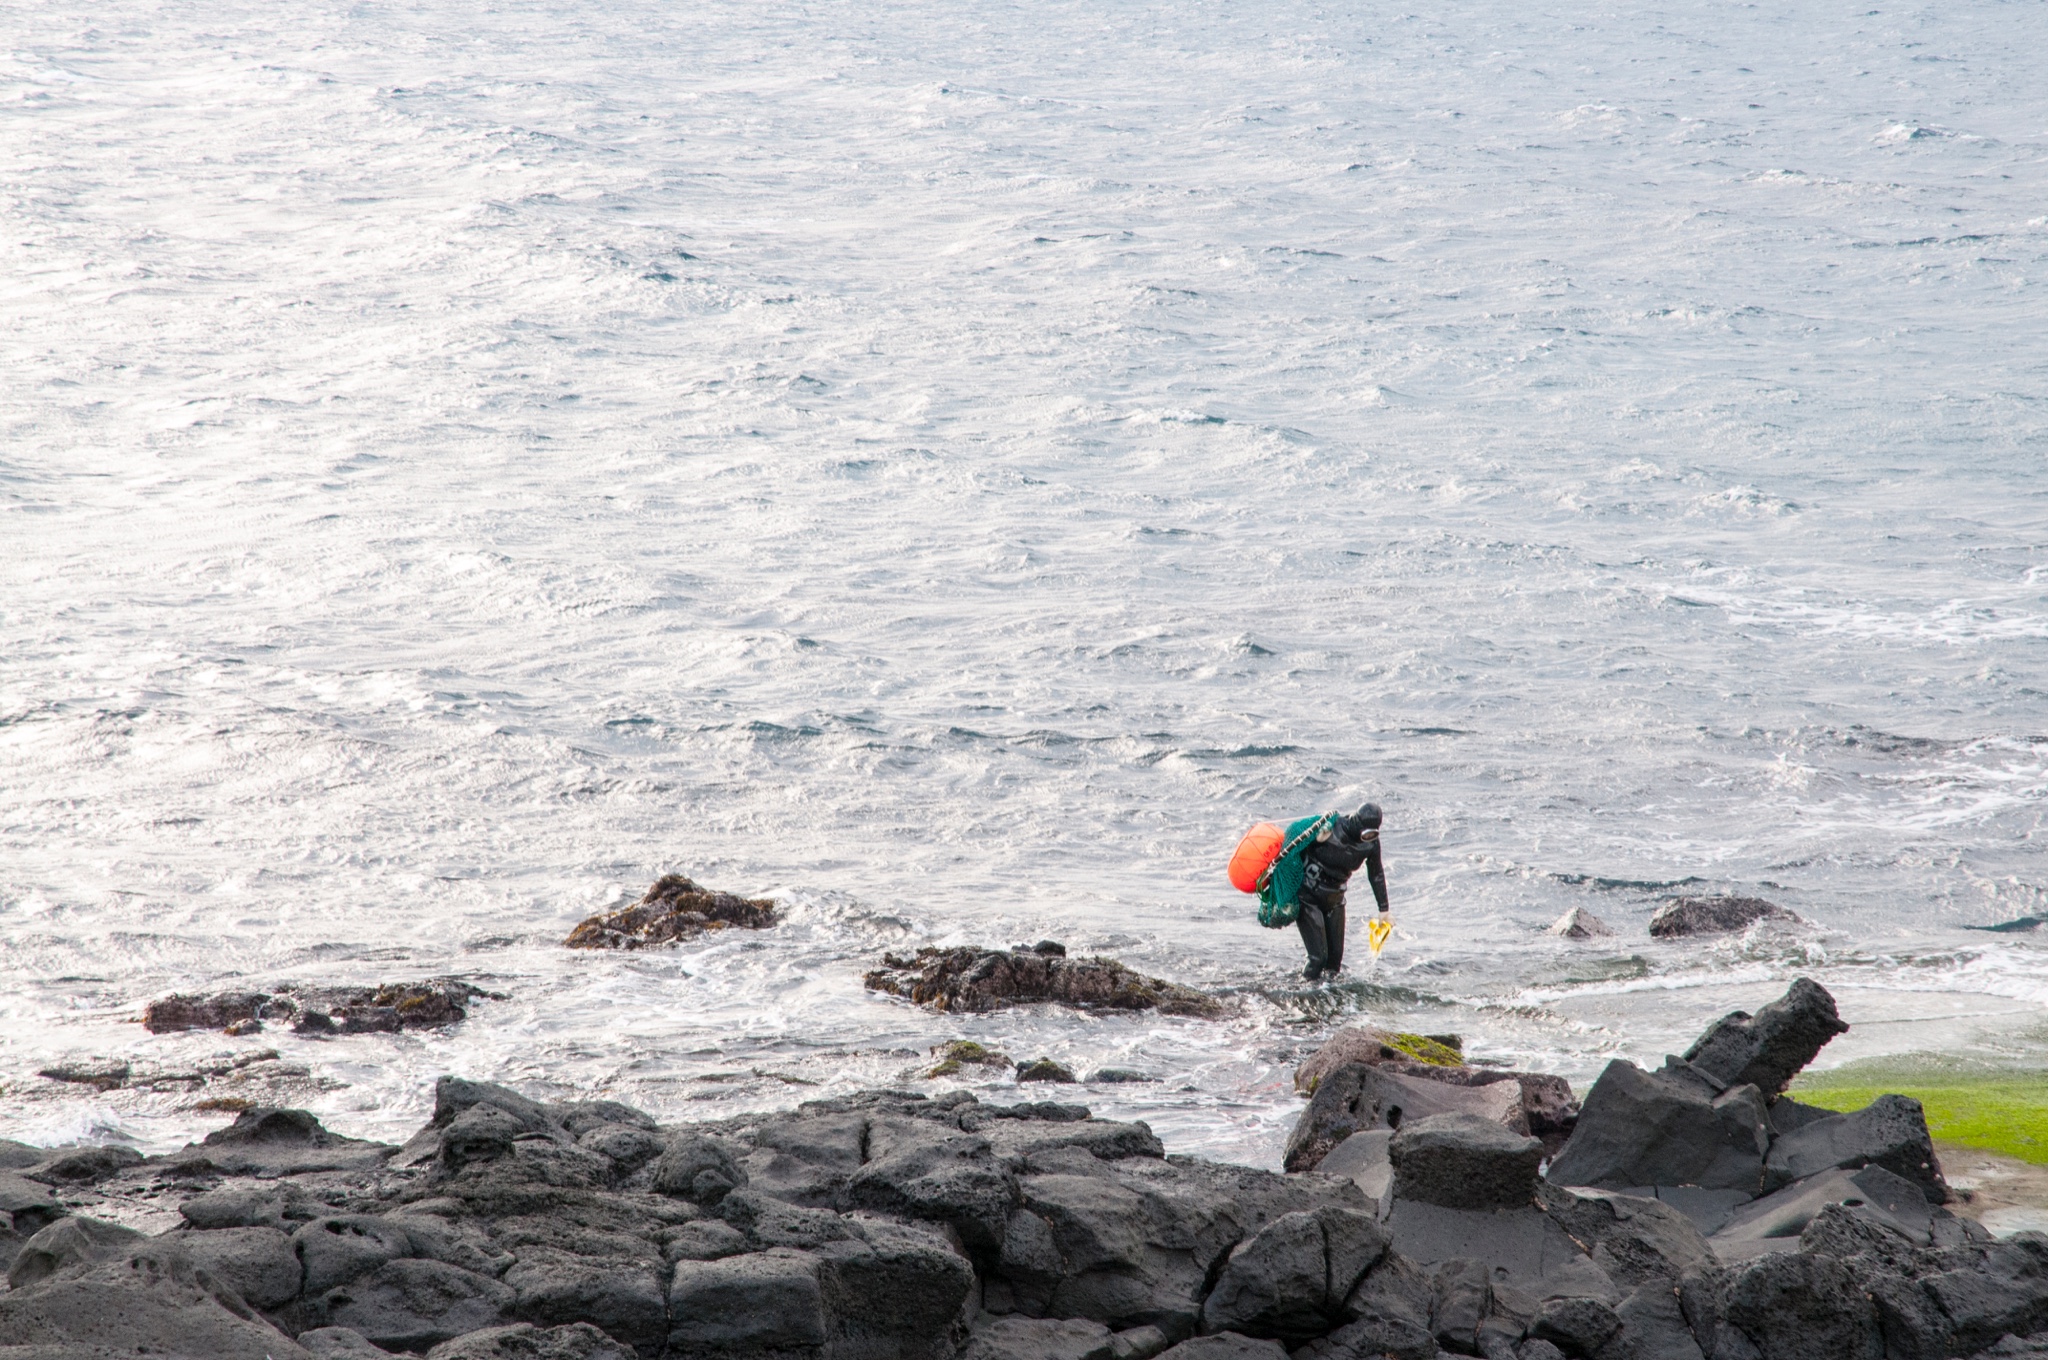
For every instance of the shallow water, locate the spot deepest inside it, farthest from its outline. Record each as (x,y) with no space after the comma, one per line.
(954,468)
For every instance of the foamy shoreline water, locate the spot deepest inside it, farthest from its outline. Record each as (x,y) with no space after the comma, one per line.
(953,472)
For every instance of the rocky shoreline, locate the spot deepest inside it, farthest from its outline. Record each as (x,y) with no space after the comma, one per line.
(1688,1213)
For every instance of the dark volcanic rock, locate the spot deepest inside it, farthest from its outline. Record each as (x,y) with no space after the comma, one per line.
(524,1341)
(1714,916)
(28,1204)
(969,979)
(1291,1279)
(219,1011)
(1890,1132)
(1373,1047)
(414,1304)
(1018,1338)
(82,1165)
(151,1300)
(1777,1221)
(1577,1327)
(1225,1346)
(340,1343)
(1461,1161)
(68,1242)
(1635,1241)
(1045,1069)
(1358,1097)
(271,1143)
(1789,1306)
(1647,1128)
(763,1301)
(699,1167)
(257,1263)
(1548,1108)
(887,1225)
(673,909)
(1768,1049)
(385,1008)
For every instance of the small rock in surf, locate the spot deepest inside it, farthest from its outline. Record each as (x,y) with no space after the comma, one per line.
(673,909)
(1714,916)
(1579,924)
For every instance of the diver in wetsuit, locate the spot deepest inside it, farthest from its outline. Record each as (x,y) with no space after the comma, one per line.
(1355,840)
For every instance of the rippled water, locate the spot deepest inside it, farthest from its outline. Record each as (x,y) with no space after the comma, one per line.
(953,467)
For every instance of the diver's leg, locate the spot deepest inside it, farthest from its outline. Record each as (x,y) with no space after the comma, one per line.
(1333,935)
(1310,923)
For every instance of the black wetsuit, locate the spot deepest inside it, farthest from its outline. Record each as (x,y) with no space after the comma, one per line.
(1331,862)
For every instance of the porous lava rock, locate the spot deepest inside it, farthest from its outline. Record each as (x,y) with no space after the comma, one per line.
(1375,1047)
(673,909)
(1464,1161)
(1687,916)
(384,1008)
(969,979)
(1768,1049)
(1356,1098)
(1537,1103)
(890,1225)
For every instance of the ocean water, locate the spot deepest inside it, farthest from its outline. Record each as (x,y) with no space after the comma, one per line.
(952,468)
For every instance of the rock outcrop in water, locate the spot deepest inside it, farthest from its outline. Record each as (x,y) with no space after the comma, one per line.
(386,1008)
(970,979)
(673,909)
(890,1226)
(1714,916)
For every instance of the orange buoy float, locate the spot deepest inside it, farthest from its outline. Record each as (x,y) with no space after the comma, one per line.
(1255,855)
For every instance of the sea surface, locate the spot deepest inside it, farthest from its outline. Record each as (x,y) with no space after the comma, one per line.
(952,468)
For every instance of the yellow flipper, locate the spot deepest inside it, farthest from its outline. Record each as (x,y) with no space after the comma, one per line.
(1376,932)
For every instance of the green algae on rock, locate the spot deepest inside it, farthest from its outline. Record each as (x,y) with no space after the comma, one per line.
(962,1053)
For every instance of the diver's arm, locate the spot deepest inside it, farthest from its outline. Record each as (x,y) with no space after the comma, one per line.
(1374,874)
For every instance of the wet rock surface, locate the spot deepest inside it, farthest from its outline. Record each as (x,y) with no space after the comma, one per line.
(888,1224)
(974,980)
(673,909)
(385,1008)
(1689,916)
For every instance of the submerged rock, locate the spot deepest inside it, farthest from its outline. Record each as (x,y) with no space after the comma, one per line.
(970,979)
(673,909)
(1714,916)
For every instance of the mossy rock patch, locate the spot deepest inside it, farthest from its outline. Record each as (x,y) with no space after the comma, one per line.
(1971,1104)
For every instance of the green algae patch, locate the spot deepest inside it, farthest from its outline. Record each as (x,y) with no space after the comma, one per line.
(1423,1049)
(962,1053)
(1971,1104)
